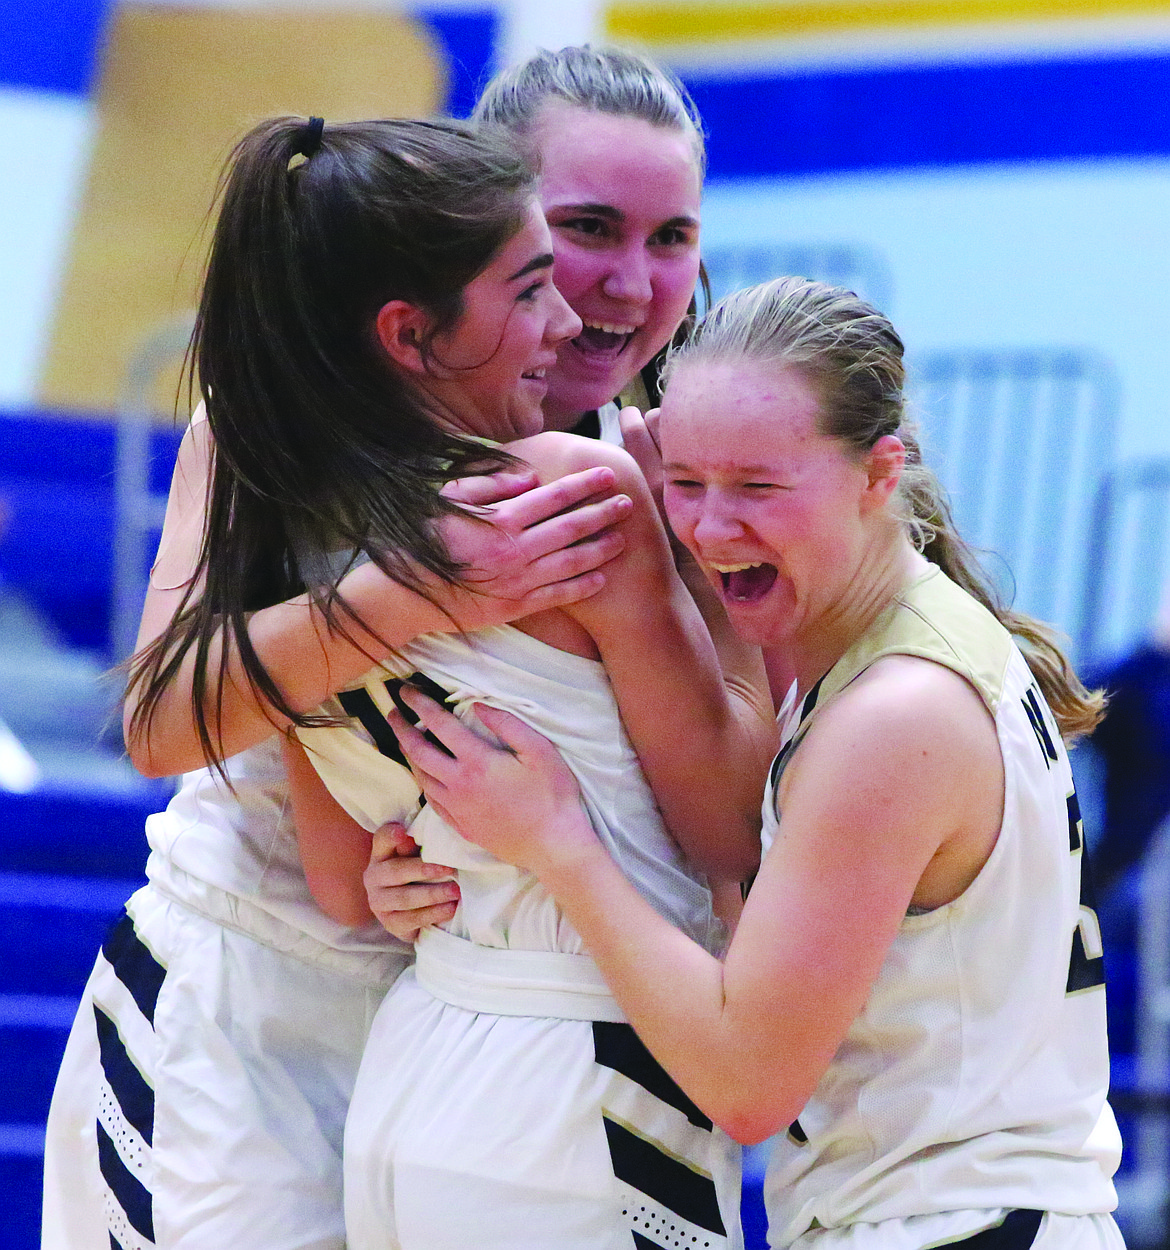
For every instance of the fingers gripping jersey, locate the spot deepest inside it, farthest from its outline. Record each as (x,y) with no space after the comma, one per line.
(564,697)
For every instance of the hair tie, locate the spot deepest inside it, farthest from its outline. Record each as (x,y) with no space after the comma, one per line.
(311,137)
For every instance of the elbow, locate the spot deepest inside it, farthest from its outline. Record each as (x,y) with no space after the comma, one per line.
(145,763)
(141,756)
(148,750)
(152,763)
(751,1124)
(339,902)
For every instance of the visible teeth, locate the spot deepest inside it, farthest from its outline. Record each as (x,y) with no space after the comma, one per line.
(535,373)
(733,568)
(609,328)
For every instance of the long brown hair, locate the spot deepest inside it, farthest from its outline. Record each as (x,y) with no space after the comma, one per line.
(321,446)
(854,356)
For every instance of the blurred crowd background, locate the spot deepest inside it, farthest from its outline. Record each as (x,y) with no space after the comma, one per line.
(994,174)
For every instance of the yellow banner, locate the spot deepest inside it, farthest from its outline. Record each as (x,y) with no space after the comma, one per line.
(681,22)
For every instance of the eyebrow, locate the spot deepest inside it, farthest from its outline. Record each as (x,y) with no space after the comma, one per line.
(543,261)
(614,214)
(745,470)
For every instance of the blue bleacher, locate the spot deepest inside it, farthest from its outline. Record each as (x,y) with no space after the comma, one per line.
(57,501)
(73,849)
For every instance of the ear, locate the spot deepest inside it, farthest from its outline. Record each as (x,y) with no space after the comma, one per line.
(401,329)
(883,467)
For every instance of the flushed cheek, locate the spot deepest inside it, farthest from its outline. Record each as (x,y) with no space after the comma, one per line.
(680,516)
(575,272)
(674,285)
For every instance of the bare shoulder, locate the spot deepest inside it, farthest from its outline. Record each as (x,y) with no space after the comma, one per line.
(554,454)
(903,701)
(907,752)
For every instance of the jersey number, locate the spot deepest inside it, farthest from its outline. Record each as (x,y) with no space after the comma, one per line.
(1086,969)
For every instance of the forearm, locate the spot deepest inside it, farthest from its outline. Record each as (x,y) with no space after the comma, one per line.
(704,740)
(702,751)
(668,987)
(306,658)
(335,849)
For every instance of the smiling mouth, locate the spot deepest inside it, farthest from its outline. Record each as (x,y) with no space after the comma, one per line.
(536,375)
(746,583)
(603,338)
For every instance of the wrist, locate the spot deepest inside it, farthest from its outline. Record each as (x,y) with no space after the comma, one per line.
(574,855)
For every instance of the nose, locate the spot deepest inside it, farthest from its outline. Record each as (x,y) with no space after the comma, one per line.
(629,279)
(714,522)
(563,323)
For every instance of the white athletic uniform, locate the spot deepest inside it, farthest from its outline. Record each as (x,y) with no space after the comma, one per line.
(969,1095)
(502,1101)
(202,1097)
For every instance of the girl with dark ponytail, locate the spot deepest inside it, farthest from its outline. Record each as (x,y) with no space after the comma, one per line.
(376,323)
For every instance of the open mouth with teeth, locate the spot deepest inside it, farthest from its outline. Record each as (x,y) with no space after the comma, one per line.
(746,583)
(536,375)
(604,339)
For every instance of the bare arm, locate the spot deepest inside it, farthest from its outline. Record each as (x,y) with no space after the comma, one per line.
(527,565)
(704,741)
(894,796)
(742,664)
(334,848)
(356,876)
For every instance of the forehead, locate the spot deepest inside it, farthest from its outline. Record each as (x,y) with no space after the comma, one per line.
(738,412)
(592,157)
(532,239)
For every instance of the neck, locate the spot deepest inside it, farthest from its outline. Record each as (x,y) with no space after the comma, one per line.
(881,577)
(558,418)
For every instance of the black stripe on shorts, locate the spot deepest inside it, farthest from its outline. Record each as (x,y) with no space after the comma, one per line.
(132,1196)
(617,1046)
(667,1180)
(1017,1232)
(134,965)
(134,1095)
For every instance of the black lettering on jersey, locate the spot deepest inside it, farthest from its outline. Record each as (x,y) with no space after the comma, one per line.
(359,705)
(1086,967)
(1034,709)
(796,1135)
(432,689)
(1076,831)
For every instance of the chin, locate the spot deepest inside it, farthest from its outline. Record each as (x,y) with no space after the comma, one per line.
(527,424)
(580,398)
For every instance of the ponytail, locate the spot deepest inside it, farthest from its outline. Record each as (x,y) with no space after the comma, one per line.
(320,445)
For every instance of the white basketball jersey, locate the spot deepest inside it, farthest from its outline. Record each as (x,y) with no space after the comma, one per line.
(570,701)
(231,854)
(975,1077)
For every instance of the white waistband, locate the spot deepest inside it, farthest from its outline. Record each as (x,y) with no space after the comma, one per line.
(512,982)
